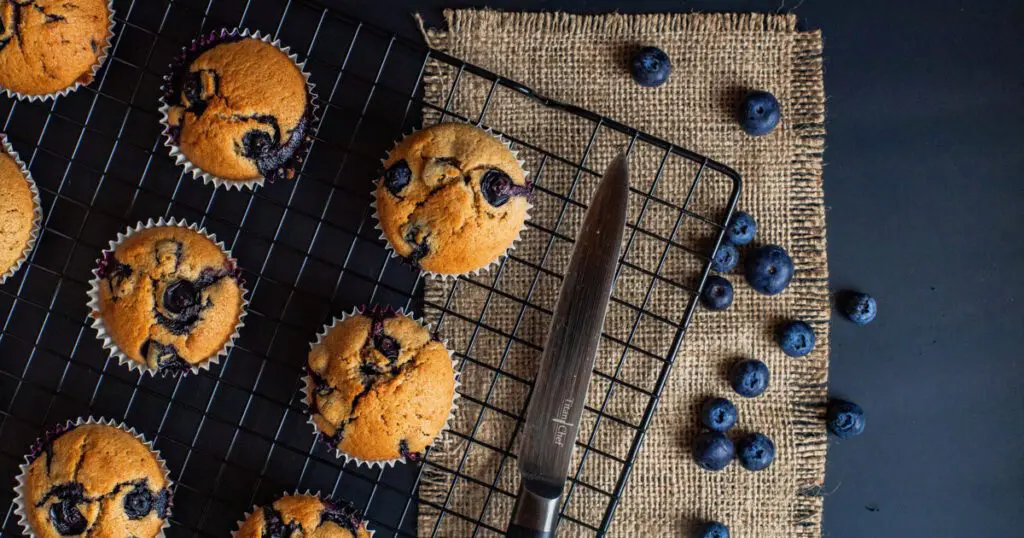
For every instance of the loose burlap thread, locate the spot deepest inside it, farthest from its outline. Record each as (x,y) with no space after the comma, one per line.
(582,60)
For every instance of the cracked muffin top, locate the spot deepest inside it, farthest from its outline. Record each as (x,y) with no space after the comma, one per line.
(239,109)
(169,298)
(49,45)
(94,480)
(453,198)
(17,212)
(308,516)
(380,387)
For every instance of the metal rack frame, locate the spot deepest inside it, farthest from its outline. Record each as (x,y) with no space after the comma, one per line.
(237,434)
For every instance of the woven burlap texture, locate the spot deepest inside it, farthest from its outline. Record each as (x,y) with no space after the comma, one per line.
(582,60)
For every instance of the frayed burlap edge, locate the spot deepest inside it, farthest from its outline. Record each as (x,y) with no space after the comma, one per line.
(808,242)
(807,116)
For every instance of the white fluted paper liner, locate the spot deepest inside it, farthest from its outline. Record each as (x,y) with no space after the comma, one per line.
(94,300)
(37,210)
(307,391)
(295,493)
(19,489)
(198,173)
(100,60)
(445,276)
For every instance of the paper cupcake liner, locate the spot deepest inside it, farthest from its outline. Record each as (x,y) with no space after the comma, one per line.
(100,60)
(107,339)
(57,431)
(445,276)
(307,392)
(197,47)
(37,210)
(327,499)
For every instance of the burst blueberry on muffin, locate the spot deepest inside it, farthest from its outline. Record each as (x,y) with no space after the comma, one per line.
(303,515)
(47,46)
(19,213)
(453,198)
(239,109)
(379,387)
(168,298)
(93,479)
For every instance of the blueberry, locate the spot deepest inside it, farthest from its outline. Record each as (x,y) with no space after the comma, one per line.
(712,529)
(749,378)
(755,452)
(860,308)
(726,258)
(759,113)
(387,346)
(495,185)
(650,67)
(164,356)
(65,516)
(420,248)
(713,451)
(179,296)
(718,414)
(191,89)
(717,293)
(274,525)
(796,338)
(845,419)
(397,176)
(138,503)
(114,271)
(257,144)
(741,229)
(769,269)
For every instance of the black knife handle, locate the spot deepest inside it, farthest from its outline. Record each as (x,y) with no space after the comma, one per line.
(534,515)
(515,531)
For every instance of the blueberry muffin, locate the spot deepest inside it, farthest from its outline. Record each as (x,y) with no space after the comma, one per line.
(168,298)
(453,198)
(379,387)
(239,109)
(47,46)
(93,479)
(19,214)
(308,516)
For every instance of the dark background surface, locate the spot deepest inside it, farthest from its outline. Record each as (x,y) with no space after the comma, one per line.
(924,193)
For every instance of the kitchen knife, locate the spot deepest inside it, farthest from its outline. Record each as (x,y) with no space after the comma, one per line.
(560,390)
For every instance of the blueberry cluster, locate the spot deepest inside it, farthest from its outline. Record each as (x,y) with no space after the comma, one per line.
(713,450)
(768,268)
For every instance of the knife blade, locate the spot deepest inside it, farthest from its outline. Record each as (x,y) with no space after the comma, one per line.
(567,362)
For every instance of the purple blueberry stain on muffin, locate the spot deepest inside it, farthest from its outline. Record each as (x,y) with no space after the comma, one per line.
(403,449)
(397,177)
(274,525)
(44,445)
(343,515)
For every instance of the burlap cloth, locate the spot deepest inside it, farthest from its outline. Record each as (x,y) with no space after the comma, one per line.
(496,335)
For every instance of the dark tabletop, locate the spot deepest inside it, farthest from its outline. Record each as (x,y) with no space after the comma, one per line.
(924,192)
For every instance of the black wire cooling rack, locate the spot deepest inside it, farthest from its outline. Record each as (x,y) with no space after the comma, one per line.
(237,434)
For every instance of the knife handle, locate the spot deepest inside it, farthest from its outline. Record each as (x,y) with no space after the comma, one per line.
(515,531)
(534,516)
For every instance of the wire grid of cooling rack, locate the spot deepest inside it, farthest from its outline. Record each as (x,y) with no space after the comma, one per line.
(237,434)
